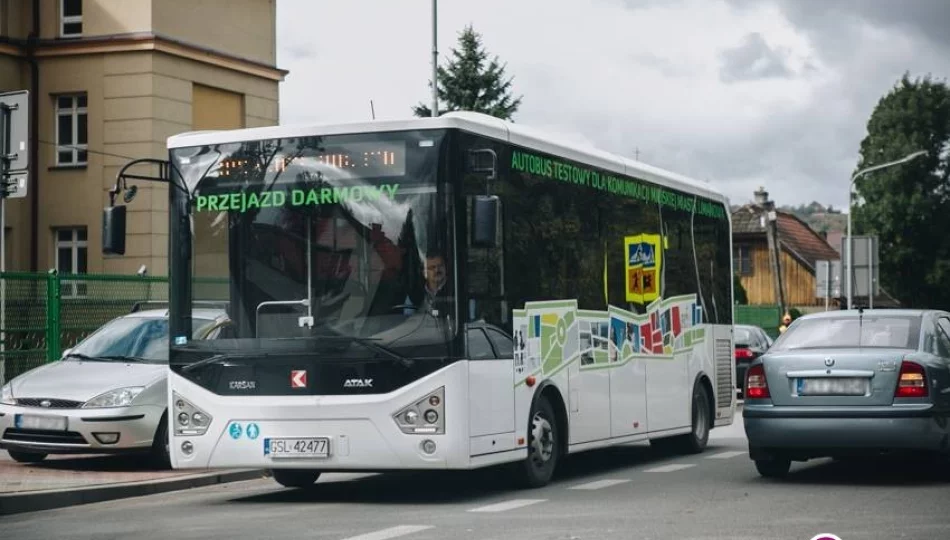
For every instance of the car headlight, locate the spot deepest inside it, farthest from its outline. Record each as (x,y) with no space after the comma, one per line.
(121,397)
(6,394)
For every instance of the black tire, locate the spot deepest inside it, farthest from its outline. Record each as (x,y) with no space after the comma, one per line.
(701,420)
(295,478)
(773,468)
(26,457)
(160,454)
(544,447)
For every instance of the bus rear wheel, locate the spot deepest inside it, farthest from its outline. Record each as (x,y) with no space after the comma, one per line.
(295,478)
(544,448)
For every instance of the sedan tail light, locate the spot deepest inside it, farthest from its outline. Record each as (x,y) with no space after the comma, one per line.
(912,381)
(743,354)
(756,387)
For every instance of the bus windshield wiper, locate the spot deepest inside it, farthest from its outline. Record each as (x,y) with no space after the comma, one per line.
(370,343)
(107,358)
(220,357)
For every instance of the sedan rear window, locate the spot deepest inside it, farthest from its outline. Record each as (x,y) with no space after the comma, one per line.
(883,331)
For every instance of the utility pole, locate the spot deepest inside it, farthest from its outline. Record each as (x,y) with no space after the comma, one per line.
(771,230)
(435,62)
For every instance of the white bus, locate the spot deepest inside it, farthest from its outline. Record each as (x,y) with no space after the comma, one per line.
(439,293)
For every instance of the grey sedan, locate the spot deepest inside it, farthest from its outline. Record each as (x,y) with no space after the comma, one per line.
(106,395)
(845,383)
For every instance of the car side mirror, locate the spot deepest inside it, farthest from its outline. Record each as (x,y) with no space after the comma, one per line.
(113,230)
(485,221)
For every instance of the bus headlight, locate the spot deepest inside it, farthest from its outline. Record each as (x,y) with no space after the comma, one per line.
(189,420)
(426,416)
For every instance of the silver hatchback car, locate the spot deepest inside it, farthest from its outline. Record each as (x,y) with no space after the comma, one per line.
(106,395)
(848,383)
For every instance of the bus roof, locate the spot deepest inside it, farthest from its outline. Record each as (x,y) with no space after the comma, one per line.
(477,123)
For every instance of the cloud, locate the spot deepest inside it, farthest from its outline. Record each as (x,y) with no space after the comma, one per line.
(754,59)
(740,93)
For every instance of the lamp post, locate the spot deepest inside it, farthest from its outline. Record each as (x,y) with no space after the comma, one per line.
(435,62)
(850,267)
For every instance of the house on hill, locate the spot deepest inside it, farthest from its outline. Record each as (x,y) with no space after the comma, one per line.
(800,248)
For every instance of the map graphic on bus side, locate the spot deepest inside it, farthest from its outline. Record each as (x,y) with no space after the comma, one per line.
(550,335)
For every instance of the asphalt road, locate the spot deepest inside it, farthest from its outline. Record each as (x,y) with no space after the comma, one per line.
(625,493)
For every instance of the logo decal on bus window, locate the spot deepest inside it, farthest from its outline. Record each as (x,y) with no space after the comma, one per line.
(298,378)
(358,383)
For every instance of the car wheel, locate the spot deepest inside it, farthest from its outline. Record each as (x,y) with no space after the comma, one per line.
(161,452)
(295,478)
(26,457)
(544,449)
(773,468)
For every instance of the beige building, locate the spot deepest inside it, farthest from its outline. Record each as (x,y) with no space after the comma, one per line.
(109,81)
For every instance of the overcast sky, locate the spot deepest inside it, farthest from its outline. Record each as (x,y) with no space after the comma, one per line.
(740,93)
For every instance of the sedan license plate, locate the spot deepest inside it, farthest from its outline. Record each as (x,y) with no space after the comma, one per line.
(46,423)
(302,447)
(832,386)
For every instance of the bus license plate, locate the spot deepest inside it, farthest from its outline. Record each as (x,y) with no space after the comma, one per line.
(303,447)
(45,423)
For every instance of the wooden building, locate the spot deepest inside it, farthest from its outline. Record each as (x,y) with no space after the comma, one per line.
(799,248)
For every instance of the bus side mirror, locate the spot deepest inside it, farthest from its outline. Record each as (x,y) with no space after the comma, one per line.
(485,221)
(113,230)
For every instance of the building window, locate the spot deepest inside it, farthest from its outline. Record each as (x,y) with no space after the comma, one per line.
(743,260)
(72,257)
(72,128)
(70,18)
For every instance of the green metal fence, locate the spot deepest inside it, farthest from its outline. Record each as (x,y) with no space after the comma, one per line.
(765,316)
(47,313)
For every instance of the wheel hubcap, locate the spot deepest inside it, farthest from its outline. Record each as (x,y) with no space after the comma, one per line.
(542,440)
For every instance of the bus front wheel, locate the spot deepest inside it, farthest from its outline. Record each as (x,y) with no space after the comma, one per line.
(544,449)
(295,478)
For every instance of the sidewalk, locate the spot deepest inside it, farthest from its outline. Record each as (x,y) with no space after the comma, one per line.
(61,481)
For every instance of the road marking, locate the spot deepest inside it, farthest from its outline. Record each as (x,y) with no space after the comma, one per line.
(725,455)
(671,468)
(392,532)
(599,484)
(507,505)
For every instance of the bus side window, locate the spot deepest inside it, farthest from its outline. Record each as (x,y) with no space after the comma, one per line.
(478,346)
(504,345)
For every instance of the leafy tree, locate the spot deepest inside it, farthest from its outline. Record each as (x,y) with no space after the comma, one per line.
(908,206)
(472,82)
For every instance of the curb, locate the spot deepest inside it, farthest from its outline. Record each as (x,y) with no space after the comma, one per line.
(16,503)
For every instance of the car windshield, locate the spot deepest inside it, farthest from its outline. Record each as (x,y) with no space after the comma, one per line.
(744,336)
(134,337)
(882,331)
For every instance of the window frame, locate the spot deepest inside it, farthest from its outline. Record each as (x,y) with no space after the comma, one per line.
(743,252)
(74,112)
(469,331)
(69,19)
(71,288)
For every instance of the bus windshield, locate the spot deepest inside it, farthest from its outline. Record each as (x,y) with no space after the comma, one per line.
(342,237)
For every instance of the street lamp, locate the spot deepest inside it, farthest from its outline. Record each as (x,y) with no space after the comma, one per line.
(435,61)
(850,267)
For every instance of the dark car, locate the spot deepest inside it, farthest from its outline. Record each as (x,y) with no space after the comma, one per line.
(851,383)
(751,342)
